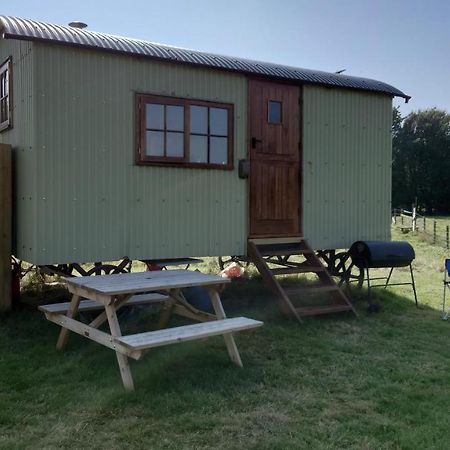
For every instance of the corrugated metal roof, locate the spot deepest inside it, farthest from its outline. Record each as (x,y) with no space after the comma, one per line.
(17,28)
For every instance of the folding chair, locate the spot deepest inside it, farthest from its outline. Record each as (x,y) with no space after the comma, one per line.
(446,314)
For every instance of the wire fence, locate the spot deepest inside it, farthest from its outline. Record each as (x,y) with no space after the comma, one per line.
(436,231)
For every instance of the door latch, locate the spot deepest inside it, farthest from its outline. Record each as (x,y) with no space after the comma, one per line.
(244,168)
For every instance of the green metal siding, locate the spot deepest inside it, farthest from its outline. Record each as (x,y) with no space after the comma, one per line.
(94,203)
(21,138)
(347,150)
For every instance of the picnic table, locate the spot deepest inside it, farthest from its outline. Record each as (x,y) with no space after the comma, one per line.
(108,293)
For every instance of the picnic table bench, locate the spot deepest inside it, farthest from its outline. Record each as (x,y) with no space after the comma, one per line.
(111,292)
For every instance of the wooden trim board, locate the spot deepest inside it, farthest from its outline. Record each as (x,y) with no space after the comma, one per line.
(5,227)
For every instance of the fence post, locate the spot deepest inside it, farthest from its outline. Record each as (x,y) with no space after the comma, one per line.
(434,232)
(446,236)
(5,227)
(424,224)
(401,218)
(414,218)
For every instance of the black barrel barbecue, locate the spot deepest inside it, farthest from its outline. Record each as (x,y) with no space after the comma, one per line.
(368,255)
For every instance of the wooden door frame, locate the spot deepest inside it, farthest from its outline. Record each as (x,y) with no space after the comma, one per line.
(300,149)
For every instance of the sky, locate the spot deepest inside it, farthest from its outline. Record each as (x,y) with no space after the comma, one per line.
(405,43)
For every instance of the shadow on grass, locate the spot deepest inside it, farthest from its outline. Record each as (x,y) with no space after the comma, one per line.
(337,381)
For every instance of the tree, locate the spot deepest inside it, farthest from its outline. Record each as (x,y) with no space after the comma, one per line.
(421,160)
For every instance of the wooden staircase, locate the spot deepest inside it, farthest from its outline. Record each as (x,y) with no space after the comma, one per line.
(279,252)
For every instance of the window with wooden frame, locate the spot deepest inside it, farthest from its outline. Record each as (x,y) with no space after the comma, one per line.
(184,132)
(5,95)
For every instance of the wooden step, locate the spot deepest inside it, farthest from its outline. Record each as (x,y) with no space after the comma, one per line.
(323,309)
(185,333)
(311,290)
(283,250)
(294,270)
(277,240)
(92,305)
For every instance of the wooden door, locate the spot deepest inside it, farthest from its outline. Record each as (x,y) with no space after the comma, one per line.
(274,134)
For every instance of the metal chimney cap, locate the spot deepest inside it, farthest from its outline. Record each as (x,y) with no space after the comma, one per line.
(79,25)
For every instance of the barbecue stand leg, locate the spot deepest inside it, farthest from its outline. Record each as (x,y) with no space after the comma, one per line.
(389,277)
(413,285)
(373,307)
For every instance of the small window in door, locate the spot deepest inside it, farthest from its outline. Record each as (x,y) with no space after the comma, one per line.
(274,112)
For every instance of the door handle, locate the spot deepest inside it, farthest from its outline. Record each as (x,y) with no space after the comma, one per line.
(255,141)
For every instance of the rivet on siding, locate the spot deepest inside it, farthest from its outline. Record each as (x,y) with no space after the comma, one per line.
(44,250)
(138,199)
(74,199)
(43,146)
(43,198)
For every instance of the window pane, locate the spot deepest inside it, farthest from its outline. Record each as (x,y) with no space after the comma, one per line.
(175,145)
(218,121)
(198,149)
(218,150)
(274,113)
(3,110)
(155,116)
(199,119)
(155,143)
(175,118)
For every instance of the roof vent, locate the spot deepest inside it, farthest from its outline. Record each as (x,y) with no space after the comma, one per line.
(79,25)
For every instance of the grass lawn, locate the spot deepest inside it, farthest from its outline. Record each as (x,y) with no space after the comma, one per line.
(379,381)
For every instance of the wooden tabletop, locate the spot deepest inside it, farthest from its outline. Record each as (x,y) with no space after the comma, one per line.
(125,283)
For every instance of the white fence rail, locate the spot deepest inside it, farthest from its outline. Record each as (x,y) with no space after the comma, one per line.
(413,221)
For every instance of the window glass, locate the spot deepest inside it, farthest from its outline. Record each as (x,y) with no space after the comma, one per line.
(155,143)
(218,153)
(218,121)
(175,118)
(175,145)
(164,137)
(199,119)
(198,149)
(155,116)
(274,111)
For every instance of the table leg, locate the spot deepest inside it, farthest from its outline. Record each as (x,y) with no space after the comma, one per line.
(71,313)
(168,310)
(114,327)
(229,339)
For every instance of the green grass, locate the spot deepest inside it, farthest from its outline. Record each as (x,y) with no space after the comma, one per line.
(375,382)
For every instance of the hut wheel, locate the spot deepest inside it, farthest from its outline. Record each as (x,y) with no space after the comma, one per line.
(105,269)
(346,270)
(237,259)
